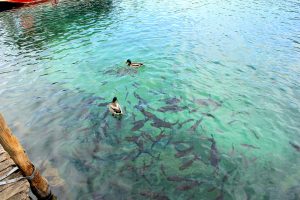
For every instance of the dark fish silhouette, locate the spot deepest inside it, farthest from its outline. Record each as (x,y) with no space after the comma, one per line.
(140,145)
(172,101)
(297,147)
(162,169)
(158,123)
(177,179)
(251,66)
(240,113)
(214,157)
(147,136)
(91,100)
(105,114)
(174,108)
(184,152)
(103,104)
(202,102)
(148,114)
(254,133)
(133,116)
(207,103)
(188,186)
(132,138)
(214,103)
(195,126)
(118,124)
(138,97)
(186,164)
(209,115)
(186,121)
(158,138)
(250,146)
(194,110)
(135,84)
(126,96)
(138,124)
(104,127)
(154,195)
(233,121)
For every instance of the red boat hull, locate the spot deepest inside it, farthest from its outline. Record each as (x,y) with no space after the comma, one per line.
(22,1)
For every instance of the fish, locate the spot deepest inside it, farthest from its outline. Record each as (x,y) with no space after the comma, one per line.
(148,114)
(103,104)
(295,146)
(105,114)
(254,133)
(118,124)
(250,146)
(232,152)
(194,110)
(207,103)
(188,186)
(158,123)
(214,157)
(132,138)
(126,96)
(211,189)
(214,103)
(163,171)
(147,136)
(201,102)
(172,101)
(138,124)
(158,138)
(139,98)
(233,121)
(194,127)
(104,127)
(186,164)
(135,84)
(154,195)
(180,154)
(209,115)
(174,108)
(240,113)
(251,66)
(177,179)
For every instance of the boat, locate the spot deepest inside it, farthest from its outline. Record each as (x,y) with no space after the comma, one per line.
(11,4)
(18,1)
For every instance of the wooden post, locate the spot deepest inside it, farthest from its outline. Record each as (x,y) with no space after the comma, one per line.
(11,144)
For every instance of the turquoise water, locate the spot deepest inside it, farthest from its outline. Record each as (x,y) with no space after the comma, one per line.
(213,114)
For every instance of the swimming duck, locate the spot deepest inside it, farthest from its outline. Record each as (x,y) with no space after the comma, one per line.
(134,65)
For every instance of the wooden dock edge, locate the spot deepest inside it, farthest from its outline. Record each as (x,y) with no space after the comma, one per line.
(38,184)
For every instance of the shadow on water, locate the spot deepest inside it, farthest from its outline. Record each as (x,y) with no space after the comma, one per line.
(4,6)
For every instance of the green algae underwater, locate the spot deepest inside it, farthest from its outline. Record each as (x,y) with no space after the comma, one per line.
(212,114)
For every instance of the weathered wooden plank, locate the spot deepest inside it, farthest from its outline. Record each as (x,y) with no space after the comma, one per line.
(4,157)
(5,171)
(5,164)
(15,188)
(20,196)
(14,191)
